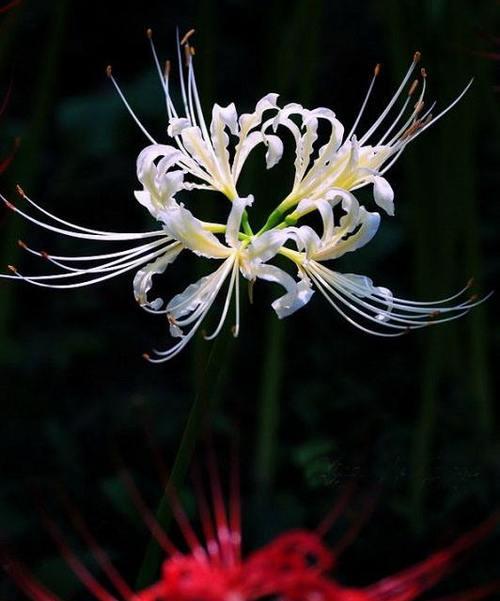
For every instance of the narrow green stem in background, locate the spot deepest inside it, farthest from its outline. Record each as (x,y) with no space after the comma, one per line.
(198,420)
(269,409)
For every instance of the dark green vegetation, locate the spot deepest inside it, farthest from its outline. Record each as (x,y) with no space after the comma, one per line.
(314,402)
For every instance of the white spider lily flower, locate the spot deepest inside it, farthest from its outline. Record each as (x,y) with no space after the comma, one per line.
(210,156)
(355,297)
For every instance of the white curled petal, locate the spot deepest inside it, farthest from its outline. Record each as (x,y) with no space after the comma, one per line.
(388,297)
(144,198)
(143,279)
(297,294)
(383,194)
(265,247)
(183,226)
(195,144)
(350,206)
(369,225)
(274,150)
(176,125)
(191,298)
(146,167)
(243,149)
(153,165)
(234,220)
(224,116)
(306,239)
(169,184)
(250,120)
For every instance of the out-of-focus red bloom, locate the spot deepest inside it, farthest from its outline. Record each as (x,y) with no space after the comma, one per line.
(296,566)
(6,161)
(9,5)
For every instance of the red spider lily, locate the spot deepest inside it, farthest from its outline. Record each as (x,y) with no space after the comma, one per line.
(6,161)
(9,5)
(296,566)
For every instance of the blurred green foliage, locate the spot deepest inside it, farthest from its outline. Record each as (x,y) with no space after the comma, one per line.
(314,403)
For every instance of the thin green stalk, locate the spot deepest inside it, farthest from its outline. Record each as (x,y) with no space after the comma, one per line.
(198,420)
(269,409)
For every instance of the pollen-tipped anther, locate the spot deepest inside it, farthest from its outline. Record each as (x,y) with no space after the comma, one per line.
(45,255)
(168,67)
(146,356)
(417,56)
(22,244)
(187,36)
(149,33)
(20,191)
(109,71)
(413,87)
(470,283)
(376,71)
(423,72)
(12,268)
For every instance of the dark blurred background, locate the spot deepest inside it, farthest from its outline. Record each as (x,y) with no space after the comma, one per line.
(314,403)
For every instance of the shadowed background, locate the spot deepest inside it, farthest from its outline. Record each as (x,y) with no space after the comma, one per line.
(316,404)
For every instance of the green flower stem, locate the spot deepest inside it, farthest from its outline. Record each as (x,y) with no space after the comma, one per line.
(273,220)
(246,225)
(198,420)
(269,409)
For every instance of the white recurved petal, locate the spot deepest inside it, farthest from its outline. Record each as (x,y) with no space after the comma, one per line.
(222,118)
(383,194)
(368,225)
(248,137)
(176,125)
(274,150)
(297,294)
(234,220)
(153,171)
(143,279)
(187,229)
(264,247)
(191,298)
(202,153)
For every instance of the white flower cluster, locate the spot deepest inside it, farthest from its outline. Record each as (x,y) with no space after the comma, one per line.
(204,156)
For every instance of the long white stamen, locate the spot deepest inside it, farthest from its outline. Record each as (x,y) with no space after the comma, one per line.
(236,329)
(128,107)
(448,108)
(106,266)
(111,237)
(36,280)
(177,348)
(67,223)
(161,74)
(181,75)
(229,295)
(388,315)
(365,102)
(412,119)
(346,282)
(319,283)
(190,88)
(393,100)
(83,258)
